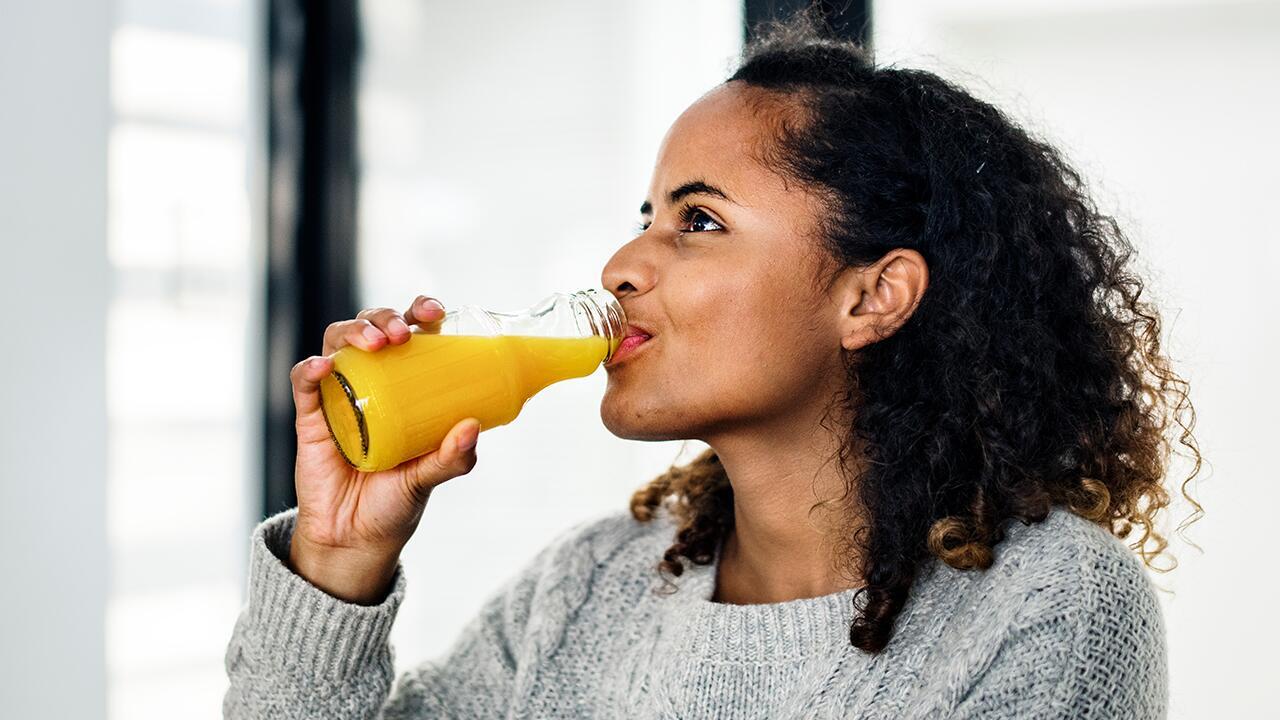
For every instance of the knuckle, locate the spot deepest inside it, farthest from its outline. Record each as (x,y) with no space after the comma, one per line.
(439,471)
(370,312)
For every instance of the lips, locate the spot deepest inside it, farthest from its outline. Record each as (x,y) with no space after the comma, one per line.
(634,328)
(636,336)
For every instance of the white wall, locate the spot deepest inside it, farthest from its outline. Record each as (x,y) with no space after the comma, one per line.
(53,139)
(1171,109)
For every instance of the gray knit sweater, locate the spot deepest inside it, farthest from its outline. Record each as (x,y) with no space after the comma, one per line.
(1065,624)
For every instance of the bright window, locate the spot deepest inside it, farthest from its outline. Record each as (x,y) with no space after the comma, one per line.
(181,479)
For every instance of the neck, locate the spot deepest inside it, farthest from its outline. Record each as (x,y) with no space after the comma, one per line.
(777,550)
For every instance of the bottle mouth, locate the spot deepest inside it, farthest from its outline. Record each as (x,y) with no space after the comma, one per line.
(345,419)
(606,317)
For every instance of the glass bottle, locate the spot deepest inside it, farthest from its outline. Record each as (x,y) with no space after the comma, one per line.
(390,405)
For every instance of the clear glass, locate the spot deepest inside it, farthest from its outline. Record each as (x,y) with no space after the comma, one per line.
(397,403)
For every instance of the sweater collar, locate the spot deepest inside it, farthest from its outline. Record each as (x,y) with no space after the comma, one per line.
(788,630)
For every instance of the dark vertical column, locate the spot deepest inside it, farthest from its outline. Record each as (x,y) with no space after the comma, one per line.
(846,18)
(313,47)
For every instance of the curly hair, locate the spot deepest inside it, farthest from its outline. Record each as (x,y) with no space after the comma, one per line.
(1030,374)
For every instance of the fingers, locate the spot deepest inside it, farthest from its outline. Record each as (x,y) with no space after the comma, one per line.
(391,324)
(375,328)
(426,312)
(455,456)
(305,378)
(371,330)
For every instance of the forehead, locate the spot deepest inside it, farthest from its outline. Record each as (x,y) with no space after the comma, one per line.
(718,138)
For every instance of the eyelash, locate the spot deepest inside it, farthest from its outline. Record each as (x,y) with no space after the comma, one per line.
(687,214)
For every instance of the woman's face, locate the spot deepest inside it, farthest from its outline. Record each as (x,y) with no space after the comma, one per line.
(723,277)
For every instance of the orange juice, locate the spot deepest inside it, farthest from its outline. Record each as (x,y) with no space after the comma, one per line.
(396,403)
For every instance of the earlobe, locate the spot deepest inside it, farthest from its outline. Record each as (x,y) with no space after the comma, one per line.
(851,342)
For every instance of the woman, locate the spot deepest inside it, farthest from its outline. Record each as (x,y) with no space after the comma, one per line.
(900,325)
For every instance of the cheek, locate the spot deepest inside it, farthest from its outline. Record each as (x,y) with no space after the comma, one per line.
(753,353)
(750,345)
(722,327)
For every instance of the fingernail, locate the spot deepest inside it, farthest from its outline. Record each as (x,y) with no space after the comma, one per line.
(397,326)
(371,333)
(431,304)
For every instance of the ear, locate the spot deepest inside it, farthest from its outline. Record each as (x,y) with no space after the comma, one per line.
(877,300)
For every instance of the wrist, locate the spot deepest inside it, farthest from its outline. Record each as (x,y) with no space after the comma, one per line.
(355,575)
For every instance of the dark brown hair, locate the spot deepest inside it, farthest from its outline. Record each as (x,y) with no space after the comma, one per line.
(1031,373)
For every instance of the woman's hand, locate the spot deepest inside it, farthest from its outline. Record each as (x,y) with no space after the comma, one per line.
(352,525)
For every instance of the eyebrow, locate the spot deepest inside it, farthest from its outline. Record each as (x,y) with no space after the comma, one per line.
(694,187)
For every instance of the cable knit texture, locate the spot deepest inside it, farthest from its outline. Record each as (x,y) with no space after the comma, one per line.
(1065,624)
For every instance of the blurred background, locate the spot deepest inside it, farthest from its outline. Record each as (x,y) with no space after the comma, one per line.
(193,189)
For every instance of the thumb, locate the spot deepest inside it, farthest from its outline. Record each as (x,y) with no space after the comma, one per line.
(305,377)
(455,456)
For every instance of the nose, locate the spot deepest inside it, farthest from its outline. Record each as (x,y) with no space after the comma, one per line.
(628,271)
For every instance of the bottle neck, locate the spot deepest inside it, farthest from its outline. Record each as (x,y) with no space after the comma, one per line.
(604,315)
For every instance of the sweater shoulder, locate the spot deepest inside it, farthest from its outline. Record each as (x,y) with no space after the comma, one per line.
(599,540)
(588,555)
(1064,540)
(1066,560)
(1066,616)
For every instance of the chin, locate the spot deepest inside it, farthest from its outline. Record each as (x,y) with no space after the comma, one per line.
(633,421)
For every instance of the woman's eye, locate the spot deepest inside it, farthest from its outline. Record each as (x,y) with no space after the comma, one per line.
(695,220)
